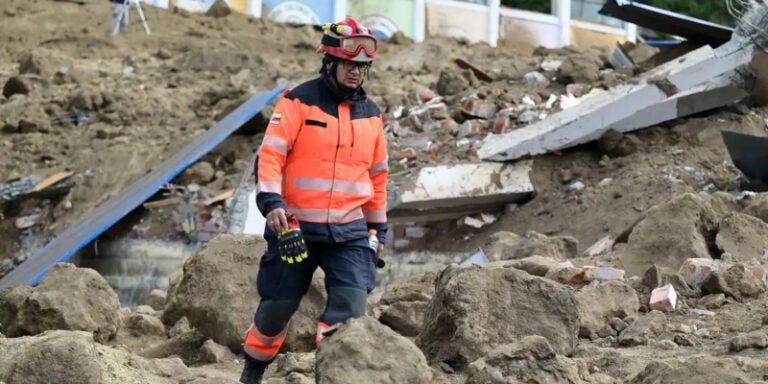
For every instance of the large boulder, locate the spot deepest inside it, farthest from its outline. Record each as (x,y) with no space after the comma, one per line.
(510,246)
(599,304)
(669,234)
(294,368)
(643,329)
(67,298)
(74,357)
(363,350)
(186,346)
(694,370)
(217,293)
(530,360)
(404,303)
(743,236)
(477,309)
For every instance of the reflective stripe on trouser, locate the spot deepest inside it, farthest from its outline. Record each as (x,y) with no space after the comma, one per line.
(260,346)
(321,327)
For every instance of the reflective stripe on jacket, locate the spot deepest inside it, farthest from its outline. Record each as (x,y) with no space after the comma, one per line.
(326,157)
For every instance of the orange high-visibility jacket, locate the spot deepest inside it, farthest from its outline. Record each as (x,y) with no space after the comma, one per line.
(327,158)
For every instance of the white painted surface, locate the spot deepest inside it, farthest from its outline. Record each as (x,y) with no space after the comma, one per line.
(419,20)
(564,15)
(602,28)
(440,185)
(494,19)
(254,8)
(459,5)
(631,32)
(254,222)
(536,29)
(339,10)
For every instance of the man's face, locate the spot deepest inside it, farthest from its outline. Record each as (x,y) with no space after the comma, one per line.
(350,73)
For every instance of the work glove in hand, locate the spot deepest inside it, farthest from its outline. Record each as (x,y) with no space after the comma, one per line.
(292,247)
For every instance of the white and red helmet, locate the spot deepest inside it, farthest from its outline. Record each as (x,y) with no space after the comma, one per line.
(349,40)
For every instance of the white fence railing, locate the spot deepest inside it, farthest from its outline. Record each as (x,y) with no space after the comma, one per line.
(479,20)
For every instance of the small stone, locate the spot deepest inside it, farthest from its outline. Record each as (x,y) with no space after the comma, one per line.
(145,310)
(16,86)
(576,186)
(182,326)
(666,345)
(605,182)
(163,54)
(756,339)
(618,324)
(213,353)
(527,117)
(713,301)
(653,277)
(684,340)
(219,9)
(550,65)
(535,78)
(157,299)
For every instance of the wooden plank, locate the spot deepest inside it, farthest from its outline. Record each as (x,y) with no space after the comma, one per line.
(481,75)
(220,197)
(52,180)
(162,203)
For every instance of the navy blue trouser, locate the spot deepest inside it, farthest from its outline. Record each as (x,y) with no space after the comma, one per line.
(350,274)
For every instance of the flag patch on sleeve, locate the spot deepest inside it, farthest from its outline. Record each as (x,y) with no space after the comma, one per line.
(276,118)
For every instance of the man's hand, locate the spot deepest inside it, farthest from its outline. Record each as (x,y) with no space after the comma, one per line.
(276,220)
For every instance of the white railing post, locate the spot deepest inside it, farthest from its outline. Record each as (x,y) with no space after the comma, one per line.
(419,20)
(494,18)
(254,8)
(564,17)
(631,30)
(339,10)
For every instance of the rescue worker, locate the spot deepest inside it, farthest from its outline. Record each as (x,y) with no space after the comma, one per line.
(322,174)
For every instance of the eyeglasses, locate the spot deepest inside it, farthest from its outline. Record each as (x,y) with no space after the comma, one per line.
(350,65)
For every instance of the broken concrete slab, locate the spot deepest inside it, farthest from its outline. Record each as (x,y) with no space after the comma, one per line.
(582,122)
(723,90)
(451,191)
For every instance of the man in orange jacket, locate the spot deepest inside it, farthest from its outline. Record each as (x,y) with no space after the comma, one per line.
(322,175)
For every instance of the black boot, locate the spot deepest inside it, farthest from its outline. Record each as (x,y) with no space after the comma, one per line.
(253,370)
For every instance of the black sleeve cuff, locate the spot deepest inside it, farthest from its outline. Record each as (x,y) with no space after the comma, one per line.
(381,231)
(268,201)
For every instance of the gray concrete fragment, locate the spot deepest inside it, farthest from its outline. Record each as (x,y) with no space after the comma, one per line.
(586,121)
(450,191)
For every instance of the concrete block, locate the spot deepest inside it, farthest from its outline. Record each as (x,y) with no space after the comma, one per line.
(451,191)
(663,298)
(723,90)
(587,120)
(588,274)
(696,271)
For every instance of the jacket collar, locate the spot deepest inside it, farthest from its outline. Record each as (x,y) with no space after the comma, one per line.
(357,96)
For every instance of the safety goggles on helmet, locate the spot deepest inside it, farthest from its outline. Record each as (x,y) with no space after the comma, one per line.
(355,43)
